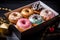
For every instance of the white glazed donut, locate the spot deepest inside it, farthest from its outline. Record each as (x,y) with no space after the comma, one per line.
(47,14)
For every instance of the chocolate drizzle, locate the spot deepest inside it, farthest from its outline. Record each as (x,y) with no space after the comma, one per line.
(36,6)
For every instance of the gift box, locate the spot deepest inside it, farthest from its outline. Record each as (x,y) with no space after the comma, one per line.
(38,28)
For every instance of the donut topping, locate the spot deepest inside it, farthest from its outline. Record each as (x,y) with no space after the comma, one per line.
(36,6)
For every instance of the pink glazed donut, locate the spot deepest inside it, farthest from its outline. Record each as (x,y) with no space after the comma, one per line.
(23,24)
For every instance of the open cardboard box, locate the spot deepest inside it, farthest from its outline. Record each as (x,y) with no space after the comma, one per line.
(37,28)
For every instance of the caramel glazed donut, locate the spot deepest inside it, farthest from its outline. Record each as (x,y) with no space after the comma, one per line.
(14,16)
(36,19)
(26,12)
(23,24)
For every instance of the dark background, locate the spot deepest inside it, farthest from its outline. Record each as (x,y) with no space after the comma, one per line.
(13,4)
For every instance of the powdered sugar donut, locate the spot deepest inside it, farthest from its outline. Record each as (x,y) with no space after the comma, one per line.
(23,24)
(47,14)
(14,16)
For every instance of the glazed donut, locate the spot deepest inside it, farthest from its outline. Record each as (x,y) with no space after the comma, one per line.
(14,16)
(36,19)
(26,12)
(36,6)
(47,14)
(23,24)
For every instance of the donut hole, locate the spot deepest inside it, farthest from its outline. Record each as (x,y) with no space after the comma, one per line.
(35,17)
(15,14)
(27,10)
(23,22)
(47,11)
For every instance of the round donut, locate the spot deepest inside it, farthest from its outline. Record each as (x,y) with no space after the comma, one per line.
(36,19)
(47,14)
(23,24)
(14,16)
(36,6)
(26,12)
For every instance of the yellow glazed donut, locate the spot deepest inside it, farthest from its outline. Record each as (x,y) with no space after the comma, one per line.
(14,16)
(26,12)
